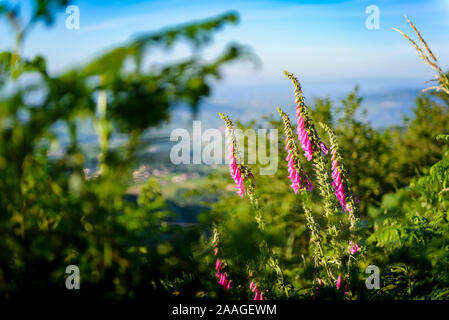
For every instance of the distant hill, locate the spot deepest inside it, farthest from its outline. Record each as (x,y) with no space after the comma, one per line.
(384,108)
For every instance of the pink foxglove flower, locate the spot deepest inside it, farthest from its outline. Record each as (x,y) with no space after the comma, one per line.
(337,182)
(235,171)
(254,289)
(296,174)
(324,149)
(234,167)
(215,241)
(307,135)
(303,136)
(299,180)
(218,265)
(251,285)
(340,183)
(256,296)
(353,248)
(223,280)
(339,282)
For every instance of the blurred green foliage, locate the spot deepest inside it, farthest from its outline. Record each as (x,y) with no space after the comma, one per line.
(51,214)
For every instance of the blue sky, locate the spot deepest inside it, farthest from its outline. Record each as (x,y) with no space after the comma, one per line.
(325,43)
